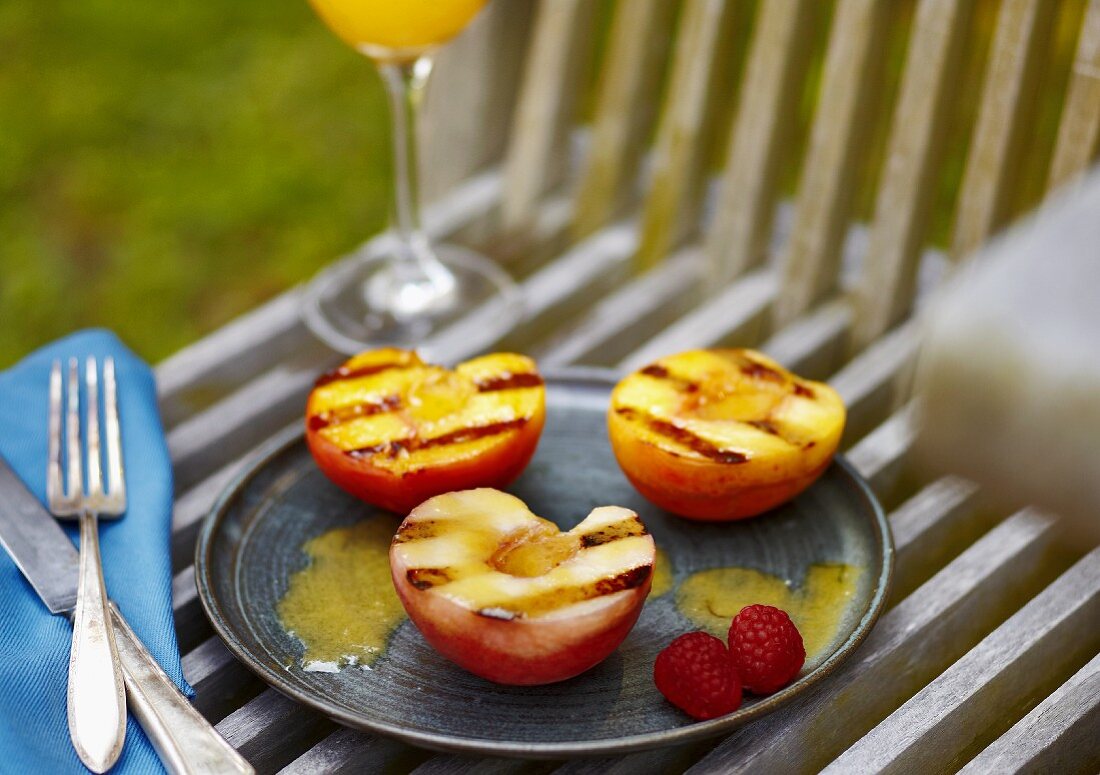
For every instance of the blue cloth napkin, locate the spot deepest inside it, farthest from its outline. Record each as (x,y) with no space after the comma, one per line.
(34,645)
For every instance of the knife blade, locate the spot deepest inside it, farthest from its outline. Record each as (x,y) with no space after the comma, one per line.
(40,548)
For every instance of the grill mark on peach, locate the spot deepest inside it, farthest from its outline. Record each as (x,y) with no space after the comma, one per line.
(767,426)
(553,599)
(657,371)
(802,390)
(396,447)
(683,436)
(509,382)
(760,371)
(619,530)
(426,578)
(416,531)
(344,373)
(342,414)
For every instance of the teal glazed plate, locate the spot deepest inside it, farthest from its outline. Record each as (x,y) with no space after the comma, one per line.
(251,544)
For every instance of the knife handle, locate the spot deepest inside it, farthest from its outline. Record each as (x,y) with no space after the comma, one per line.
(186,742)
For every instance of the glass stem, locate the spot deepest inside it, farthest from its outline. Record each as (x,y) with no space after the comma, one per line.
(405,83)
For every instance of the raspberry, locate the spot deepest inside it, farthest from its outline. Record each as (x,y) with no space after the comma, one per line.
(694,674)
(766,648)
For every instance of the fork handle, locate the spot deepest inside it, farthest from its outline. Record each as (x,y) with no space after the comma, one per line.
(186,742)
(96,700)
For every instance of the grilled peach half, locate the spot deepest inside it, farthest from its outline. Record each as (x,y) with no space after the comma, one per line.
(394,431)
(507,596)
(722,434)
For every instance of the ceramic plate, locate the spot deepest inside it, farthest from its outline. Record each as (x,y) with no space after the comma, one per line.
(252,543)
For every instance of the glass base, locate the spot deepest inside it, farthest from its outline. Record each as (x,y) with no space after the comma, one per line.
(367,303)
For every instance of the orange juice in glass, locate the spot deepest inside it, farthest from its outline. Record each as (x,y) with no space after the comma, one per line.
(397,29)
(408,290)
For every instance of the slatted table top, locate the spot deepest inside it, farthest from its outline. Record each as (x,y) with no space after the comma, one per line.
(987,655)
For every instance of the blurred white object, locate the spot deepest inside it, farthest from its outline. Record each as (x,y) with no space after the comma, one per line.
(1010,366)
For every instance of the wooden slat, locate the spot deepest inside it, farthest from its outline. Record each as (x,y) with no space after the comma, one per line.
(910,645)
(1079,131)
(348,751)
(538,148)
(629,316)
(192,626)
(1007,104)
(272,731)
(1057,736)
(236,424)
(762,132)
(932,527)
(880,455)
(471,97)
(221,683)
(907,185)
(191,507)
(626,106)
(683,136)
(811,261)
(474,765)
(565,287)
(815,344)
(873,378)
(737,315)
(656,762)
(942,725)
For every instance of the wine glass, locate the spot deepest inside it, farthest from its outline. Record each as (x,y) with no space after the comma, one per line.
(406,289)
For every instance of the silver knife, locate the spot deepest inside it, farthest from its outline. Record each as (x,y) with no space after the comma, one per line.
(186,742)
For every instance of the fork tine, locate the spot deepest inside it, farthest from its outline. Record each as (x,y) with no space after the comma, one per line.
(94,490)
(114,437)
(72,430)
(54,493)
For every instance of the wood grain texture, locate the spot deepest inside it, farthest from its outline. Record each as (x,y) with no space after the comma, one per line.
(910,645)
(658,762)
(881,454)
(626,108)
(885,290)
(348,751)
(815,344)
(672,203)
(272,731)
(1058,735)
(734,317)
(944,724)
(1004,118)
(221,683)
(762,131)
(873,377)
(471,97)
(557,60)
(933,527)
(811,259)
(629,316)
(473,765)
(1079,131)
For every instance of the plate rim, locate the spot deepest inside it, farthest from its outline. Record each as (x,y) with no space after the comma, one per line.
(576,377)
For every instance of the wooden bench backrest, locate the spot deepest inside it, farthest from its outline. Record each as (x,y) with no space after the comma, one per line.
(681,84)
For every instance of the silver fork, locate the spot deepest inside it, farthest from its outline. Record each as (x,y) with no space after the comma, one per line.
(96,698)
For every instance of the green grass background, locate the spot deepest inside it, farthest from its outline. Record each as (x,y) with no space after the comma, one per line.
(167,166)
